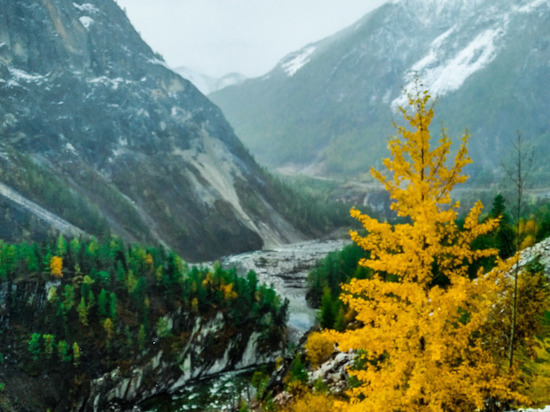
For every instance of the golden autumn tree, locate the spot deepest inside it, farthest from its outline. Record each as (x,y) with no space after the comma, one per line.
(56,266)
(420,330)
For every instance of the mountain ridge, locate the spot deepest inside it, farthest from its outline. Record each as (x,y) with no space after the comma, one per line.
(88,110)
(485,59)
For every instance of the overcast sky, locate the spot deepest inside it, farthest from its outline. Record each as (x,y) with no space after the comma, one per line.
(216,37)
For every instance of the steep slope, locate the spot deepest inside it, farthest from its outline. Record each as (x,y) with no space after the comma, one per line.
(328,108)
(95,129)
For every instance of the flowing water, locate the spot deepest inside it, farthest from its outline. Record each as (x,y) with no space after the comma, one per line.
(286,269)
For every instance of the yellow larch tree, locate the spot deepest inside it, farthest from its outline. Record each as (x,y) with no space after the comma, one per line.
(56,266)
(421,337)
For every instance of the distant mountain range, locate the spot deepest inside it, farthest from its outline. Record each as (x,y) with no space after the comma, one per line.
(98,135)
(207,84)
(328,108)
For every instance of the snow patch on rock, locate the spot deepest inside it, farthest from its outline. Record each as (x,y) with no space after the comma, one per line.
(442,75)
(21,76)
(113,83)
(86,8)
(296,61)
(86,21)
(70,148)
(532,6)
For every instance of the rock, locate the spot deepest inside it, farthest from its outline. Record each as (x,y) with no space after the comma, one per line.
(158,373)
(128,144)
(334,371)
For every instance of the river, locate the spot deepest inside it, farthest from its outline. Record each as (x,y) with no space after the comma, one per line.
(286,269)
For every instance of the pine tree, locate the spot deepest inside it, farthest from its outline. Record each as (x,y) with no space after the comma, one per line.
(141,337)
(102,304)
(76,354)
(34,346)
(421,341)
(63,351)
(61,247)
(82,310)
(49,345)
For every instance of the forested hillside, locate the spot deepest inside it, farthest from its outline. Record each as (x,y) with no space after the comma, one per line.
(71,312)
(435,312)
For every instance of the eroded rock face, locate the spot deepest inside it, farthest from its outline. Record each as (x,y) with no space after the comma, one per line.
(163,373)
(540,251)
(87,101)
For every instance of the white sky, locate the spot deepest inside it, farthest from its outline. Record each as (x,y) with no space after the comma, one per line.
(216,37)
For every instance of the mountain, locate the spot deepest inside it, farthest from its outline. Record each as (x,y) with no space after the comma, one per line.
(98,135)
(207,84)
(328,108)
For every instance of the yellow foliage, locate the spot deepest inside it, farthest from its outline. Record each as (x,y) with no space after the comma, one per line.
(208,280)
(297,388)
(228,292)
(539,388)
(528,241)
(52,294)
(56,266)
(314,403)
(421,340)
(319,347)
(76,354)
(108,326)
(528,227)
(158,274)
(195,305)
(149,261)
(533,300)
(131,281)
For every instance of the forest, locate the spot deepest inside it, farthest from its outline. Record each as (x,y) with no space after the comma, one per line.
(75,310)
(436,291)
(435,306)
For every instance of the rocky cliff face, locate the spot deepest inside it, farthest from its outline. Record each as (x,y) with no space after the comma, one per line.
(162,374)
(91,119)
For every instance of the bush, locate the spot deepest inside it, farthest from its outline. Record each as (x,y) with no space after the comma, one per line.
(319,348)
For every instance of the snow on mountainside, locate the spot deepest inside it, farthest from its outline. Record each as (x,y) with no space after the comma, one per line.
(445,67)
(99,133)
(294,62)
(329,107)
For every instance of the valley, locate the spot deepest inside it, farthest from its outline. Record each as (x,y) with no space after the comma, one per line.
(174,241)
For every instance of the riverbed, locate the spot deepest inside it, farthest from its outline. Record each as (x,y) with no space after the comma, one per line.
(286,269)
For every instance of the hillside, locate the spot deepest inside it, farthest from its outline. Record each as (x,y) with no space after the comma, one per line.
(328,108)
(99,133)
